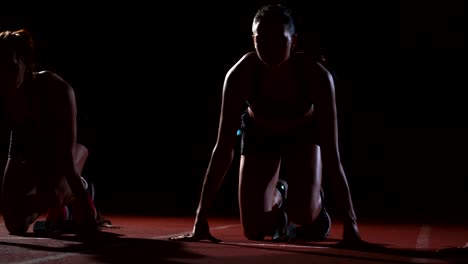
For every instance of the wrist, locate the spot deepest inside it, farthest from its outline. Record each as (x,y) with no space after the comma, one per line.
(201,213)
(351,230)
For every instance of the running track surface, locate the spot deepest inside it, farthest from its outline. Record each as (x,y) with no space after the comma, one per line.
(144,239)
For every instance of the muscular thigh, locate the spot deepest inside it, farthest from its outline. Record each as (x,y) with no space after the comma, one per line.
(301,166)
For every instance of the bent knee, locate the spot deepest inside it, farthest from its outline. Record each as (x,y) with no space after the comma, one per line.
(302,216)
(252,229)
(18,226)
(254,234)
(17,229)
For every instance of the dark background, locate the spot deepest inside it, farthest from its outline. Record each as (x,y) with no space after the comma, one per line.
(148,79)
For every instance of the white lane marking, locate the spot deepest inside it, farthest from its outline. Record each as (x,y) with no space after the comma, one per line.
(423,237)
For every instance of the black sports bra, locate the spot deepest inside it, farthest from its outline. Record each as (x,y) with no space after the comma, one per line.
(281,109)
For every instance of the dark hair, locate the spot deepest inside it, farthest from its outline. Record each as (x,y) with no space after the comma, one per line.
(274,12)
(21,42)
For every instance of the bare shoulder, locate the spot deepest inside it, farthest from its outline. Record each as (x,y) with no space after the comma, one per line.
(238,79)
(244,65)
(314,67)
(51,82)
(311,62)
(249,58)
(50,78)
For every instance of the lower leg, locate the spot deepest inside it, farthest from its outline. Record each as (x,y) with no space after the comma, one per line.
(303,168)
(280,194)
(63,213)
(81,155)
(319,228)
(258,197)
(273,221)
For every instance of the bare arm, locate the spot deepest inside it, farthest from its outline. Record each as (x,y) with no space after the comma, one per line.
(232,107)
(61,107)
(332,166)
(223,151)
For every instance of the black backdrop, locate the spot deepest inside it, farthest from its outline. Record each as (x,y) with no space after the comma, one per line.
(148,80)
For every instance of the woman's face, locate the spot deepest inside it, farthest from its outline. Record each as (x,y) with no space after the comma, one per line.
(273,42)
(12,70)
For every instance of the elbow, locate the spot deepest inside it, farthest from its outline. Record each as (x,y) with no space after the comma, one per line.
(226,143)
(223,149)
(223,152)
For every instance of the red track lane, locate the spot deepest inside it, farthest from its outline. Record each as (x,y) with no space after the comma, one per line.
(145,239)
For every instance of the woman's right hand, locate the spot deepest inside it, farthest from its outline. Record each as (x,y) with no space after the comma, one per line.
(201,231)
